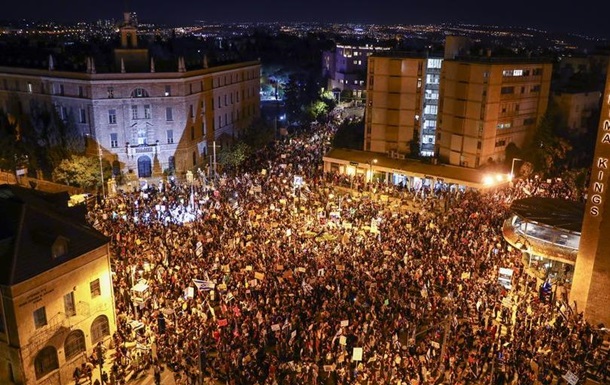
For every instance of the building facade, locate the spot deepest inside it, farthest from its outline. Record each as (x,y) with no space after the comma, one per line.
(591,287)
(56,300)
(401,104)
(144,122)
(577,108)
(486,104)
(346,66)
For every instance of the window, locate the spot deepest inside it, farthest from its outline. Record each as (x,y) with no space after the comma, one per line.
(69,307)
(74,344)
(114,140)
(142,134)
(170,136)
(501,143)
(40,317)
(536,88)
(94,286)
(139,93)
(529,121)
(537,71)
(45,362)
(507,90)
(168,91)
(82,115)
(80,92)
(99,328)
(59,89)
(110,92)
(30,88)
(194,158)
(191,111)
(134,112)
(502,126)
(147,113)
(192,132)
(111,116)
(168,114)
(203,129)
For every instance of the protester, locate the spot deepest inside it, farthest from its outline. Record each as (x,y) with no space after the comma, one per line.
(255,280)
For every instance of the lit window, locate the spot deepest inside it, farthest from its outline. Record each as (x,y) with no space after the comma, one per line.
(168,90)
(114,140)
(139,93)
(112,116)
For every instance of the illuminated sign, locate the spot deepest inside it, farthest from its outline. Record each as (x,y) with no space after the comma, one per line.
(600,168)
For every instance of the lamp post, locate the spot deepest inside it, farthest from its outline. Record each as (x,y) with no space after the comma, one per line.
(214,146)
(371,162)
(99,152)
(512,168)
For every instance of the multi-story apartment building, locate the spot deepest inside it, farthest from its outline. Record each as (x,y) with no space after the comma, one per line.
(577,108)
(488,103)
(345,67)
(145,121)
(402,104)
(56,300)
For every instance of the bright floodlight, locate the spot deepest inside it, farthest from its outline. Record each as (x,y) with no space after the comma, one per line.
(499,177)
(488,180)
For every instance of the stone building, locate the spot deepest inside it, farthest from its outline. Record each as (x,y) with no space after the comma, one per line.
(143,121)
(56,299)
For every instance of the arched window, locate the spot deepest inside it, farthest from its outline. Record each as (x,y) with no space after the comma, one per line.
(99,328)
(74,344)
(139,93)
(46,361)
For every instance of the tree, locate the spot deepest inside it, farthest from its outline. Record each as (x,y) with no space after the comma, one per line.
(234,156)
(258,134)
(79,170)
(292,99)
(350,134)
(548,151)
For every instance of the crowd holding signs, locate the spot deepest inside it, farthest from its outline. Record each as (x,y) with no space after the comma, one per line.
(277,277)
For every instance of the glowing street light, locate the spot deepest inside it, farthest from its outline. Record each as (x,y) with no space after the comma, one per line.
(512,168)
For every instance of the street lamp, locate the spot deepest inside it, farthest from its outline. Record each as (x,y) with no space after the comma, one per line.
(100,154)
(512,168)
(371,162)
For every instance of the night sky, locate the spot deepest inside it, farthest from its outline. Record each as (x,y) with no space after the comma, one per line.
(551,15)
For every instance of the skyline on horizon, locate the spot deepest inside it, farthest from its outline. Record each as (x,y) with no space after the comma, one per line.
(544,15)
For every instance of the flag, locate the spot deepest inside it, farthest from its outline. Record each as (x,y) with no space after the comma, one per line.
(204,285)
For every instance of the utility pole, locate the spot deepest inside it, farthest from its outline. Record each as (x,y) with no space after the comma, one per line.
(214,146)
(99,152)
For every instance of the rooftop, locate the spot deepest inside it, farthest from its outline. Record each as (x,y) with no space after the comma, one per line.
(39,232)
(560,213)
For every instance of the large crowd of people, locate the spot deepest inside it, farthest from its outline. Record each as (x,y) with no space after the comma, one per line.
(259,279)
